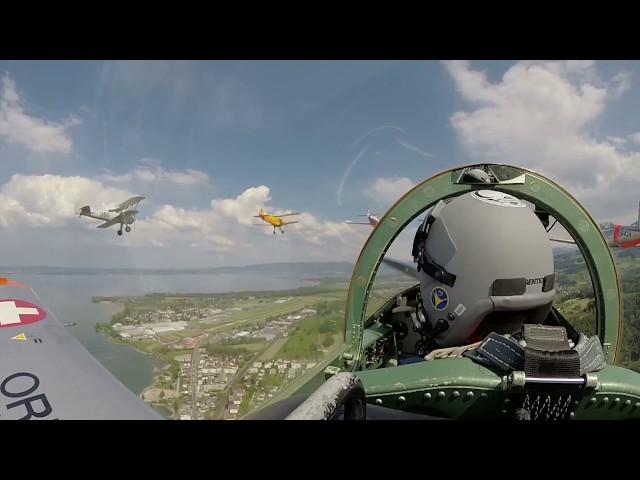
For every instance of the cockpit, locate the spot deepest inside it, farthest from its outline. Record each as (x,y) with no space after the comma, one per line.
(566,369)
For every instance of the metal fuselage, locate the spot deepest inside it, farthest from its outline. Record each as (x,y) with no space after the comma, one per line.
(128,217)
(275,220)
(373,220)
(622,236)
(272,219)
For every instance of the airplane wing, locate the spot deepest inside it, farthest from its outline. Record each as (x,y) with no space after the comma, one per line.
(289,223)
(559,240)
(46,373)
(261,225)
(127,204)
(287,214)
(356,223)
(111,222)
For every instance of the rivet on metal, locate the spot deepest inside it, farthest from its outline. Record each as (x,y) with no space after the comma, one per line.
(470,394)
(507,401)
(572,415)
(605,399)
(593,400)
(441,394)
(456,394)
(617,400)
(402,399)
(427,396)
(627,402)
(378,401)
(483,395)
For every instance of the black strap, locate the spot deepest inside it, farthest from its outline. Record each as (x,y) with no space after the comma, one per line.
(545,337)
(498,351)
(422,258)
(548,353)
(562,363)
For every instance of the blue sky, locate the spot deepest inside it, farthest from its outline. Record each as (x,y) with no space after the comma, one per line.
(209,142)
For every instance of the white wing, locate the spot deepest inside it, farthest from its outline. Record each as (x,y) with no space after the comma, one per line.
(127,204)
(111,222)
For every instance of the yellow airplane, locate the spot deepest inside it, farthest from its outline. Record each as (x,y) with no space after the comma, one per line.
(274,221)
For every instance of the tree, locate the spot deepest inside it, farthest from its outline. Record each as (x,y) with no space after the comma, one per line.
(327,341)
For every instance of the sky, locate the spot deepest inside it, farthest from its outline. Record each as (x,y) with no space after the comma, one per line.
(209,143)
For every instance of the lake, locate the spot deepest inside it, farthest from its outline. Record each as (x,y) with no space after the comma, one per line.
(69,298)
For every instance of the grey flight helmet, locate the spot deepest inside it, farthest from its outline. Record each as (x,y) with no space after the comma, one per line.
(482,254)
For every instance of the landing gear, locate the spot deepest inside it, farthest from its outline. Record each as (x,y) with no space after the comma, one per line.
(274,230)
(127,229)
(282,231)
(119,233)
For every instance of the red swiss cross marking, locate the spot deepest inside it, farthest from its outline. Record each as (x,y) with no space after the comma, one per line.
(15,312)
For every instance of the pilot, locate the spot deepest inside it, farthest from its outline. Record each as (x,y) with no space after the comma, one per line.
(486,265)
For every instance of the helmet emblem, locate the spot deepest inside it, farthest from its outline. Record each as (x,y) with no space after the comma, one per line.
(439,298)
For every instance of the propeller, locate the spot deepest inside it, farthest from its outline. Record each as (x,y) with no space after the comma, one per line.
(405,268)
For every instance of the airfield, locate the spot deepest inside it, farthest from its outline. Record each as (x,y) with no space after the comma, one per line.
(224,355)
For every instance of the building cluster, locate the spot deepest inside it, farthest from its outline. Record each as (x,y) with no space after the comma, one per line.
(260,383)
(281,326)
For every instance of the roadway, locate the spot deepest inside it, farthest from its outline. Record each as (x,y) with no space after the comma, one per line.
(195,363)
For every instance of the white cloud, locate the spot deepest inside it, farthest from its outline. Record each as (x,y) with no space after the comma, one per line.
(179,227)
(150,171)
(635,137)
(52,199)
(620,83)
(224,229)
(320,232)
(38,135)
(244,206)
(387,190)
(616,140)
(539,116)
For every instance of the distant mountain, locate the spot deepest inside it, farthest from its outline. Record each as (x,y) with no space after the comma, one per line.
(324,269)
(562,257)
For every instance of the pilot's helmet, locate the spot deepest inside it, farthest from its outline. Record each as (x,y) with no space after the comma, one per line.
(486,264)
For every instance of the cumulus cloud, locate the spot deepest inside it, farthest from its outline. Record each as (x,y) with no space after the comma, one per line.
(635,137)
(151,171)
(174,226)
(387,190)
(36,134)
(52,199)
(244,206)
(617,140)
(539,115)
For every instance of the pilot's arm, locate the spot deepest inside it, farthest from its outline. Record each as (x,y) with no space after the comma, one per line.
(450,352)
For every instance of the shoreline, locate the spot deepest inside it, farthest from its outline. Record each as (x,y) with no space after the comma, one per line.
(115,308)
(161,362)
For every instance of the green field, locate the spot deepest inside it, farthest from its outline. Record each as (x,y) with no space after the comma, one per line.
(575,292)
(273,350)
(316,333)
